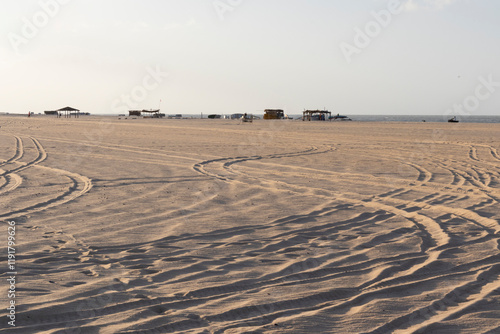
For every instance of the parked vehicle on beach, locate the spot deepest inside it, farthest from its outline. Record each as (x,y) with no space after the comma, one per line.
(247,118)
(339,117)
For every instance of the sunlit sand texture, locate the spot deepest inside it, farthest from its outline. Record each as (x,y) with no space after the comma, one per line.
(217,226)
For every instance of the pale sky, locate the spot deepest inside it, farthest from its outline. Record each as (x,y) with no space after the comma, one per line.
(225,56)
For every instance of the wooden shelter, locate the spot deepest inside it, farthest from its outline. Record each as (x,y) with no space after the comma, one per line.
(152,113)
(68,112)
(317,115)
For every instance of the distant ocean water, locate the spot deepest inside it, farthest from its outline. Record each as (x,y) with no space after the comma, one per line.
(428,118)
(406,118)
(419,118)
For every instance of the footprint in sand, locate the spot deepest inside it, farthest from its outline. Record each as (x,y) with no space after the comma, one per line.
(123,280)
(72,284)
(90,272)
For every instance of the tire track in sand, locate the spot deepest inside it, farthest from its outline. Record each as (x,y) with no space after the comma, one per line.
(349,299)
(19,152)
(79,184)
(452,305)
(431,225)
(11,180)
(423,222)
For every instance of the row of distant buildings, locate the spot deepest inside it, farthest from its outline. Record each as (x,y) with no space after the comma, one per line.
(307,115)
(321,115)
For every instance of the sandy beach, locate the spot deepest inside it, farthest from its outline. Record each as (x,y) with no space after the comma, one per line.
(211,226)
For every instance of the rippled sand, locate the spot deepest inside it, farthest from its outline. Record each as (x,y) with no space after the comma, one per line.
(201,226)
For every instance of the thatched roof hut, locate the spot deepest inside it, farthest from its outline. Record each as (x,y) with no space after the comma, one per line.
(319,115)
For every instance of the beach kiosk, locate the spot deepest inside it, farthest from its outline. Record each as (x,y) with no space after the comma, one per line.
(134,113)
(316,115)
(274,114)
